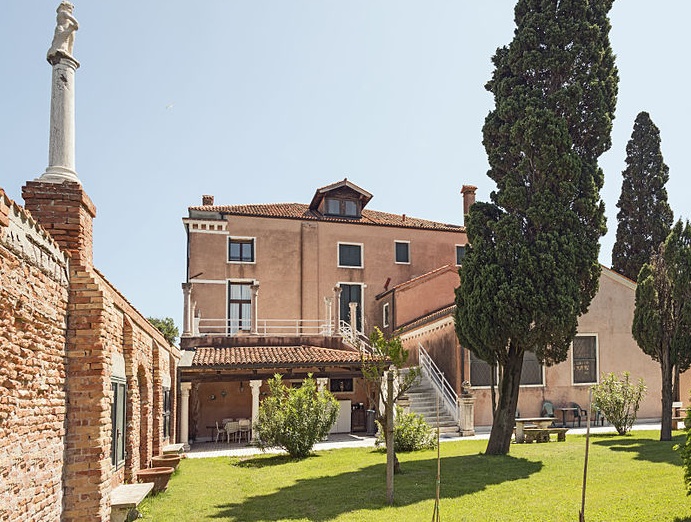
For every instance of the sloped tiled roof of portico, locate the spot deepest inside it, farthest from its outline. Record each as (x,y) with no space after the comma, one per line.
(271,356)
(302,211)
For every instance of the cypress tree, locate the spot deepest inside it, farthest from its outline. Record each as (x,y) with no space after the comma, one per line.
(533,266)
(645,217)
(662,318)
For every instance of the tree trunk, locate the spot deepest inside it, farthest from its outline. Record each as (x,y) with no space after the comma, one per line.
(505,416)
(666,368)
(390,456)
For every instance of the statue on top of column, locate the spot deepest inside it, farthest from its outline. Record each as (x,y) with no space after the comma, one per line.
(63,40)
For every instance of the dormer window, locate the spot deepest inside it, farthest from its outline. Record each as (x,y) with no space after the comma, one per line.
(341,207)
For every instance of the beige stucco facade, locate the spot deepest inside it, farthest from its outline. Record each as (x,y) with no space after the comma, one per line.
(608,319)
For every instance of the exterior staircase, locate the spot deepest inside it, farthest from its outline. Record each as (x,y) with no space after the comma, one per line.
(423,400)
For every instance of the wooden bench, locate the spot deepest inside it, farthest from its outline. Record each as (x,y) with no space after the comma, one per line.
(125,499)
(678,415)
(542,434)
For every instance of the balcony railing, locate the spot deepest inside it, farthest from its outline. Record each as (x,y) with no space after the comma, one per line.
(267,327)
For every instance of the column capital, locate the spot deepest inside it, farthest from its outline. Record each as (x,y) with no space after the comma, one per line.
(185,388)
(255,384)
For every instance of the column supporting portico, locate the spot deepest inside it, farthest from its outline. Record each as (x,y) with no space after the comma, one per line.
(321,383)
(185,388)
(255,384)
(337,302)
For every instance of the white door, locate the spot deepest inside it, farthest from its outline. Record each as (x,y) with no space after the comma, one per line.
(343,421)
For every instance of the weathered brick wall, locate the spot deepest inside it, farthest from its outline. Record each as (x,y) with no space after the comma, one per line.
(33,303)
(101,326)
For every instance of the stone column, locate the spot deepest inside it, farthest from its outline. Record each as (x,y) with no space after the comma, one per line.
(186,309)
(337,301)
(321,383)
(185,388)
(466,415)
(329,315)
(255,384)
(353,319)
(61,149)
(255,293)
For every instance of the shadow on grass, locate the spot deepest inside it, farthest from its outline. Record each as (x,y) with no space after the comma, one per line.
(324,498)
(646,449)
(265,462)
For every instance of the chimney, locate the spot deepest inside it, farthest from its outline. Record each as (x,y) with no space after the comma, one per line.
(207,200)
(468,192)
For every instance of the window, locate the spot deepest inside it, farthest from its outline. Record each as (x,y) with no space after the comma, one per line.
(531,373)
(351,294)
(241,250)
(239,307)
(481,372)
(585,359)
(402,251)
(460,254)
(385,314)
(341,207)
(118,421)
(340,385)
(349,255)
(166,412)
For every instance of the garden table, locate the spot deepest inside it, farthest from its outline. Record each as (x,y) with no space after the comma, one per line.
(540,422)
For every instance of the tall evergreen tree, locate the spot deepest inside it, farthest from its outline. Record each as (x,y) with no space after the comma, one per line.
(645,217)
(533,266)
(662,318)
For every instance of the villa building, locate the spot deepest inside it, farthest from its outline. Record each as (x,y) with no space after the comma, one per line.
(291,289)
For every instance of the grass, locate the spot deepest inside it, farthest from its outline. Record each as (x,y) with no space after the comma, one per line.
(635,477)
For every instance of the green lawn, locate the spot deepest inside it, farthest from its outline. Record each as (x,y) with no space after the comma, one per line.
(634,478)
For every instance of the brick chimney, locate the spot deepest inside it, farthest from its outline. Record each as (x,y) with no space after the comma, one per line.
(67,213)
(207,200)
(468,192)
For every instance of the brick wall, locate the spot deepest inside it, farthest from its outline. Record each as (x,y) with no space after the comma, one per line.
(33,304)
(101,327)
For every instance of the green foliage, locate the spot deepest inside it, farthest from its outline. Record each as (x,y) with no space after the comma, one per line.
(618,399)
(295,418)
(662,318)
(167,327)
(684,450)
(410,432)
(645,217)
(533,266)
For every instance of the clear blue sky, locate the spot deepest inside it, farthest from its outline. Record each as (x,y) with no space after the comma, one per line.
(264,101)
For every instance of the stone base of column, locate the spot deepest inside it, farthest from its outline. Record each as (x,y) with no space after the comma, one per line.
(466,417)
(56,174)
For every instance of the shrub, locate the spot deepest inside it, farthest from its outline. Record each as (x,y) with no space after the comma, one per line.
(684,450)
(619,399)
(410,432)
(295,418)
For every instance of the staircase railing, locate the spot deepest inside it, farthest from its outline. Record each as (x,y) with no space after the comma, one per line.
(435,376)
(357,339)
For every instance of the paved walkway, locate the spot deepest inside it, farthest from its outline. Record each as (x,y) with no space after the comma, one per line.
(352,440)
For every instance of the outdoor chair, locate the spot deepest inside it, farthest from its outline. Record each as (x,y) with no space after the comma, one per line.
(232,428)
(547,409)
(245,427)
(220,431)
(578,414)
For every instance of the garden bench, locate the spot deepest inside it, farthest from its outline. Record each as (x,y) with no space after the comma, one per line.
(678,414)
(542,434)
(124,501)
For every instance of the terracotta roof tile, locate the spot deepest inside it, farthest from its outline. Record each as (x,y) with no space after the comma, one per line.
(302,211)
(272,356)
